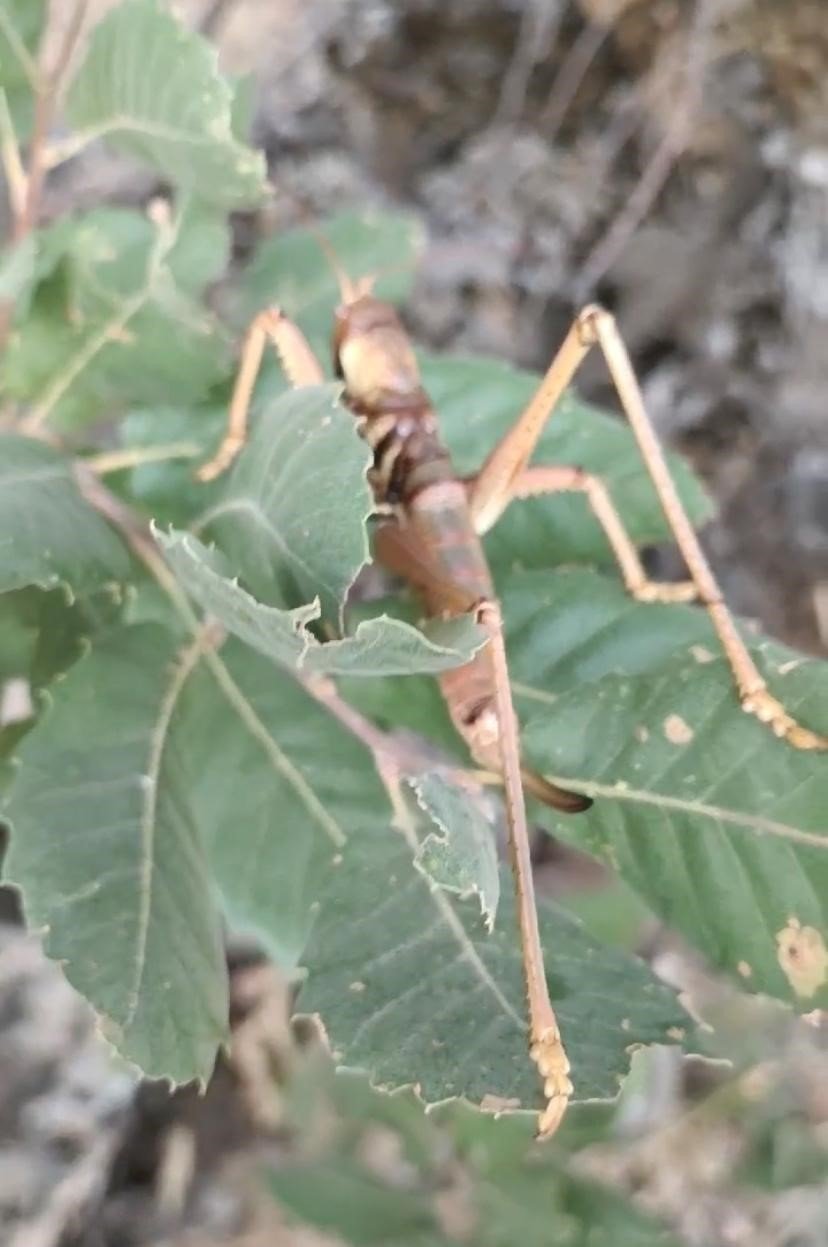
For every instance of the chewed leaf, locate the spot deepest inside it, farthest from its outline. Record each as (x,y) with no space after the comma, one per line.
(150,86)
(720,826)
(291,518)
(460,855)
(383,646)
(49,535)
(411,986)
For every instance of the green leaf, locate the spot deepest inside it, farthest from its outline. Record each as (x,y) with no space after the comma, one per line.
(461,855)
(411,987)
(17,272)
(167,489)
(50,535)
(111,323)
(505,1189)
(342,1197)
(274,839)
(106,851)
(21,27)
(716,823)
(153,89)
(292,270)
(379,647)
(477,400)
(291,518)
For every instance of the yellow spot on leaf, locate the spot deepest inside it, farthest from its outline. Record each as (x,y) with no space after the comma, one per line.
(744,969)
(356,987)
(677,731)
(677,1033)
(641,733)
(701,654)
(803,957)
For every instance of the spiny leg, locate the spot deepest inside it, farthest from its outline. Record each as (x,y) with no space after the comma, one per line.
(545,1043)
(499,479)
(298,361)
(561,479)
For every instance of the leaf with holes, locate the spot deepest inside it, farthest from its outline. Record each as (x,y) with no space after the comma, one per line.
(716,823)
(291,518)
(49,535)
(382,646)
(107,852)
(152,88)
(411,987)
(460,854)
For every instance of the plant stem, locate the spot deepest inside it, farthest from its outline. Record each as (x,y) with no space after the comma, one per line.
(25,197)
(136,456)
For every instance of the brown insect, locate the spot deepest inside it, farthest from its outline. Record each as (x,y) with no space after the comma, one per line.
(428,532)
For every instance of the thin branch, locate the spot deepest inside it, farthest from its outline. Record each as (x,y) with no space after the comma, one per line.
(136,456)
(45,103)
(111,330)
(16,179)
(570,76)
(25,200)
(608,248)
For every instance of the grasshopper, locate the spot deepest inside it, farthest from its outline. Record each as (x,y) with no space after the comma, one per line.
(429,527)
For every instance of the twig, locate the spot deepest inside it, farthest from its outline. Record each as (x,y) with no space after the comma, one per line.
(44,114)
(25,198)
(537,35)
(136,456)
(608,248)
(12,162)
(570,76)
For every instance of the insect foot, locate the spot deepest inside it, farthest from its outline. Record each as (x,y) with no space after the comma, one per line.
(547,1051)
(769,710)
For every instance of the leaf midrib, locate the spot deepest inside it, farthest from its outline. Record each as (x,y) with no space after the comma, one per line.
(747,822)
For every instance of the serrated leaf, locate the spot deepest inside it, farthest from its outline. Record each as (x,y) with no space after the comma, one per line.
(291,518)
(111,324)
(49,535)
(412,989)
(153,88)
(106,851)
(274,838)
(379,646)
(716,823)
(460,854)
(477,400)
(292,270)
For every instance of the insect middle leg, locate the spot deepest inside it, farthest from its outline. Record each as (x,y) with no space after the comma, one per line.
(505,475)
(300,365)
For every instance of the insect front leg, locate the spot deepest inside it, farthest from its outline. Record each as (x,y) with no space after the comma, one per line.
(505,475)
(300,365)
(545,1044)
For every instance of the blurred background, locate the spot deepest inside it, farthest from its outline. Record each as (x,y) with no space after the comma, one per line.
(670,159)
